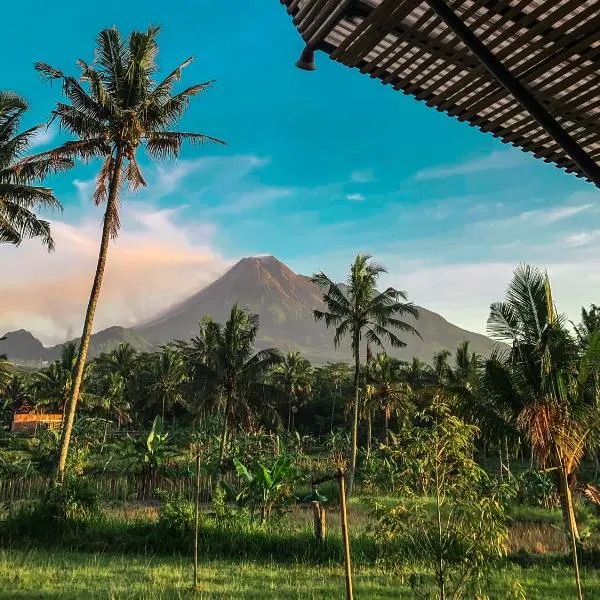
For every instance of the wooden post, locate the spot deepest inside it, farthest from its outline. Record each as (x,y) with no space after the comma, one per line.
(344,517)
(319,521)
(196,519)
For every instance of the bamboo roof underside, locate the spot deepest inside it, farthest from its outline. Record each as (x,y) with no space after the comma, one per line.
(550,46)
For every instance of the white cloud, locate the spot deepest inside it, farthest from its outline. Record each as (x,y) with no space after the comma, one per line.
(355,197)
(217,169)
(364,176)
(154,263)
(499,159)
(582,238)
(470,288)
(563,212)
(252,200)
(42,137)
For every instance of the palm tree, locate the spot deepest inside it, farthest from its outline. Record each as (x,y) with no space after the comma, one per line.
(294,376)
(360,310)
(115,371)
(391,391)
(589,325)
(238,371)
(169,373)
(542,387)
(52,385)
(112,109)
(19,197)
(14,393)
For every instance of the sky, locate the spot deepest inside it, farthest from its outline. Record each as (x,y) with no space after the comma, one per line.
(317,167)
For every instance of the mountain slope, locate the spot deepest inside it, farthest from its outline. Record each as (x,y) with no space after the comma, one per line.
(23,348)
(283,300)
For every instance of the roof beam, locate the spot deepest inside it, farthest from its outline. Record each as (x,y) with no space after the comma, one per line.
(517,89)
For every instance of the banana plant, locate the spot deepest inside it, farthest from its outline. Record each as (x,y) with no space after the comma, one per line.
(266,487)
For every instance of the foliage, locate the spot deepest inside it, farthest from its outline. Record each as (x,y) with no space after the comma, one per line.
(74,499)
(19,196)
(358,310)
(265,487)
(176,516)
(535,488)
(467,531)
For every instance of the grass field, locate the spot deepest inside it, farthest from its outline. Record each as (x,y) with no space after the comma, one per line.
(70,576)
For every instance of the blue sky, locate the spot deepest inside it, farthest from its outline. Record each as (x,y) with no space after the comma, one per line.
(317,167)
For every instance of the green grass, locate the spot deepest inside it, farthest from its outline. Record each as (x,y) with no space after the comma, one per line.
(51,575)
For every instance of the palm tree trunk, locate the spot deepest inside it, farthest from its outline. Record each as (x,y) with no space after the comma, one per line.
(386,426)
(566,501)
(566,506)
(369,433)
(107,229)
(354,449)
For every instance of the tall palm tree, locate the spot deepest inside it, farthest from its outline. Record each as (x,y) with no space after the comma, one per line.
(19,197)
(543,386)
(112,109)
(358,311)
(237,369)
(294,376)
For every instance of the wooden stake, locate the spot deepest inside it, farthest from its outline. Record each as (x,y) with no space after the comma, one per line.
(344,517)
(196,519)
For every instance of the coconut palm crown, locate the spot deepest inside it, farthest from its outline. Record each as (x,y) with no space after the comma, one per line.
(19,196)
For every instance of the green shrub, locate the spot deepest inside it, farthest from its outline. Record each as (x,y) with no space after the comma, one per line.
(75,499)
(175,515)
(536,488)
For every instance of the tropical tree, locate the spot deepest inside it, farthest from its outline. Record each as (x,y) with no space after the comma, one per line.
(331,380)
(169,374)
(52,385)
(239,372)
(112,109)
(392,392)
(589,324)
(358,310)
(294,376)
(14,391)
(19,196)
(114,378)
(542,386)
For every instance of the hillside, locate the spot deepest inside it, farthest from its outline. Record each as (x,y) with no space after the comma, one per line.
(285,303)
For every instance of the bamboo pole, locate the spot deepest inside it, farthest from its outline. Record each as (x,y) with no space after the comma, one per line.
(196,519)
(344,518)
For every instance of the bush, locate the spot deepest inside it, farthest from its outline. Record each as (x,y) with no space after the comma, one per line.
(175,515)
(536,488)
(75,499)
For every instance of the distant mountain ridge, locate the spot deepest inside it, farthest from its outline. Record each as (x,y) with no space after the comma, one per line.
(284,302)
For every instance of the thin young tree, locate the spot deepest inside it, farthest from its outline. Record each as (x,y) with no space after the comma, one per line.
(19,197)
(359,311)
(112,109)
